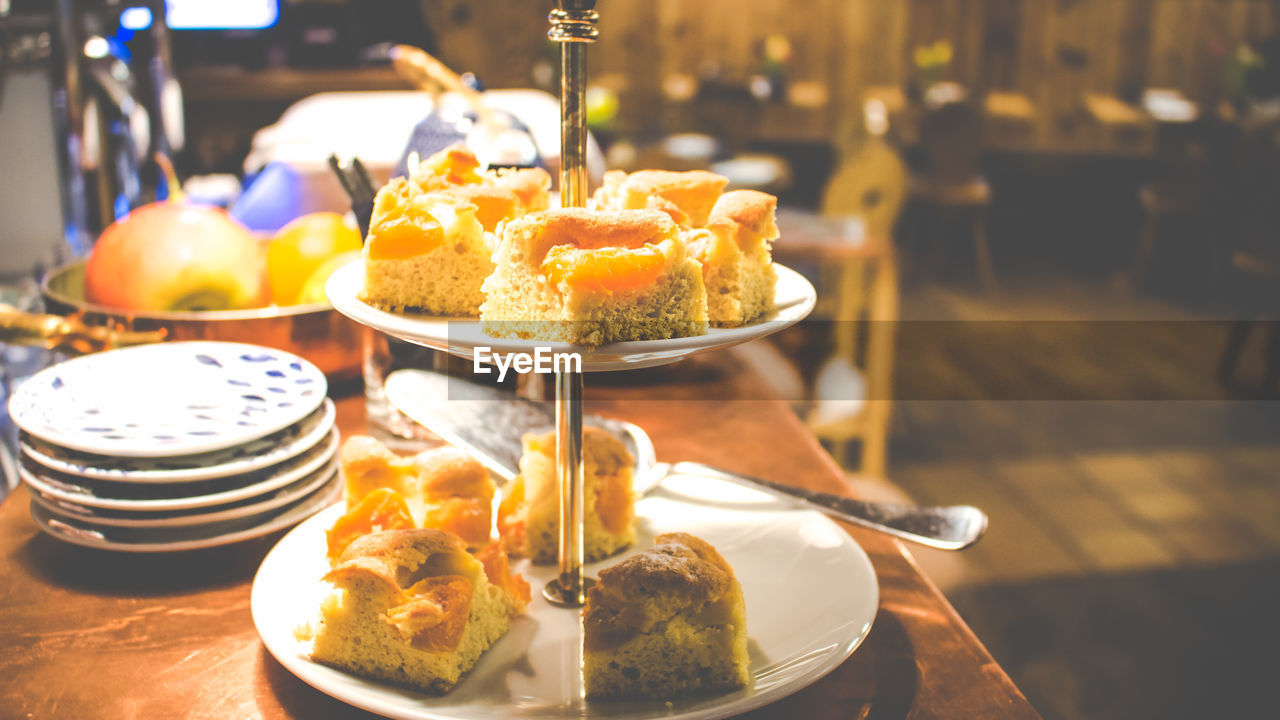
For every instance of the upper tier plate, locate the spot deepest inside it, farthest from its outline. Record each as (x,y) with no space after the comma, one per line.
(794,299)
(810,592)
(177,398)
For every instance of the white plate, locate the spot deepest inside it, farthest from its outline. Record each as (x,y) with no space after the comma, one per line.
(810,592)
(291,493)
(177,398)
(164,499)
(249,457)
(176,539)
(793,300)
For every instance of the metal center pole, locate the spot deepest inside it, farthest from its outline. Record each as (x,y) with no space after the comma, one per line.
(573,25)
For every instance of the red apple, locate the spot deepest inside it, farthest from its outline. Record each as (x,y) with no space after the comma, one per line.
(174,256)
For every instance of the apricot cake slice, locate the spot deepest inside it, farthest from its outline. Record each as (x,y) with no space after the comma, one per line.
(442,488)
(730,234)
(667,622)
(737,261)
(430,235)
(593,278)
(498,195)
(411,607)
(529,518)
(687,196)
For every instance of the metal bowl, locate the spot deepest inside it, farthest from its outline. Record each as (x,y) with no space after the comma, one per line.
(315,331)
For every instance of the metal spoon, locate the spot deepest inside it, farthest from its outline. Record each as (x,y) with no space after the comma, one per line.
(465,414)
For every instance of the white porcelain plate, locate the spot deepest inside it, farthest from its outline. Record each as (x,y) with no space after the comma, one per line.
(152,540)
(168,399)
(249,457)
(793,300)
(249,507)
(810,592)
(183,496)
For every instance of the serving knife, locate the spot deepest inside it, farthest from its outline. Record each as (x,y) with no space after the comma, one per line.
(488,423)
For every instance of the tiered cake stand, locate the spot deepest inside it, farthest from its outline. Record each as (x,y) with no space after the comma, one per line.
(573,25)
(811,591)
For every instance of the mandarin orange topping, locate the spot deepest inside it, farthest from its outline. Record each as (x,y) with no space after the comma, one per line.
(608,270)
(382,509)
(510,526)
(497,567)
(416,232)
(457,165)
(491,211)
(468,518)
(434,612)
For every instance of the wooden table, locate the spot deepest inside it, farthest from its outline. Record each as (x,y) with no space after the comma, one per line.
(89,634)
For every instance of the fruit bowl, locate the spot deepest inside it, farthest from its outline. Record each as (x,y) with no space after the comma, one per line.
(313,330)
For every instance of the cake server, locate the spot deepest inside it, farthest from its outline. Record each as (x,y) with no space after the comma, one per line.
(488,422)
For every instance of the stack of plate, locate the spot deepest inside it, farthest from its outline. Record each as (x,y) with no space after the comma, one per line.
(176,446)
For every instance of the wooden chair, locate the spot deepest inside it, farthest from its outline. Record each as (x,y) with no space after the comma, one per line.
(853,389)
(1193,166)
(951,182)
(1253,271)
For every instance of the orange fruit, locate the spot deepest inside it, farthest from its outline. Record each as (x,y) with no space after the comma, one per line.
(301,247)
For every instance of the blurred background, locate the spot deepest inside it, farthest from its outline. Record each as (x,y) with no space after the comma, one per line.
(1044,232)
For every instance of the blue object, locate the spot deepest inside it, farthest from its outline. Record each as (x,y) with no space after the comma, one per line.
(270,199)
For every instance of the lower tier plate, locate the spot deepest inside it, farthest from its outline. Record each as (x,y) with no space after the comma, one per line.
(810,592)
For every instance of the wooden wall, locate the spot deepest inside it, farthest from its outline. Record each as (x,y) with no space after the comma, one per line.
(1053,51)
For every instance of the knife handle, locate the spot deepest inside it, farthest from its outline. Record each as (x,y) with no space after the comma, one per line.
(952,527)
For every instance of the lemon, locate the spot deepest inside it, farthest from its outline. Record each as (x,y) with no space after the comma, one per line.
(313,288)
(301,248)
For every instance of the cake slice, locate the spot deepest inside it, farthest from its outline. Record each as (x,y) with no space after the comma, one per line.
(687,196)
(529,517)
(425,252)
(442,488)
(593,278)
(430,235)
(737,261)
(498,195)
(667,622)
(410,607)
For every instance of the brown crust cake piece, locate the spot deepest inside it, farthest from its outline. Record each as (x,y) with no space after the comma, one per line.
(728,232)
(755,214)
(593,278)
(529,517)
(688,196)
(737,262)
(667,622)
(425,251)
(431,235)
(442,488)
(410,607)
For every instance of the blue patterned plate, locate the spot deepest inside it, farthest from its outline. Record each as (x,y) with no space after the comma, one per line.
(249,457)
(177,398)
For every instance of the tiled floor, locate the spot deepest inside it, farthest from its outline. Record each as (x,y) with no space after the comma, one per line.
(1132,567)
